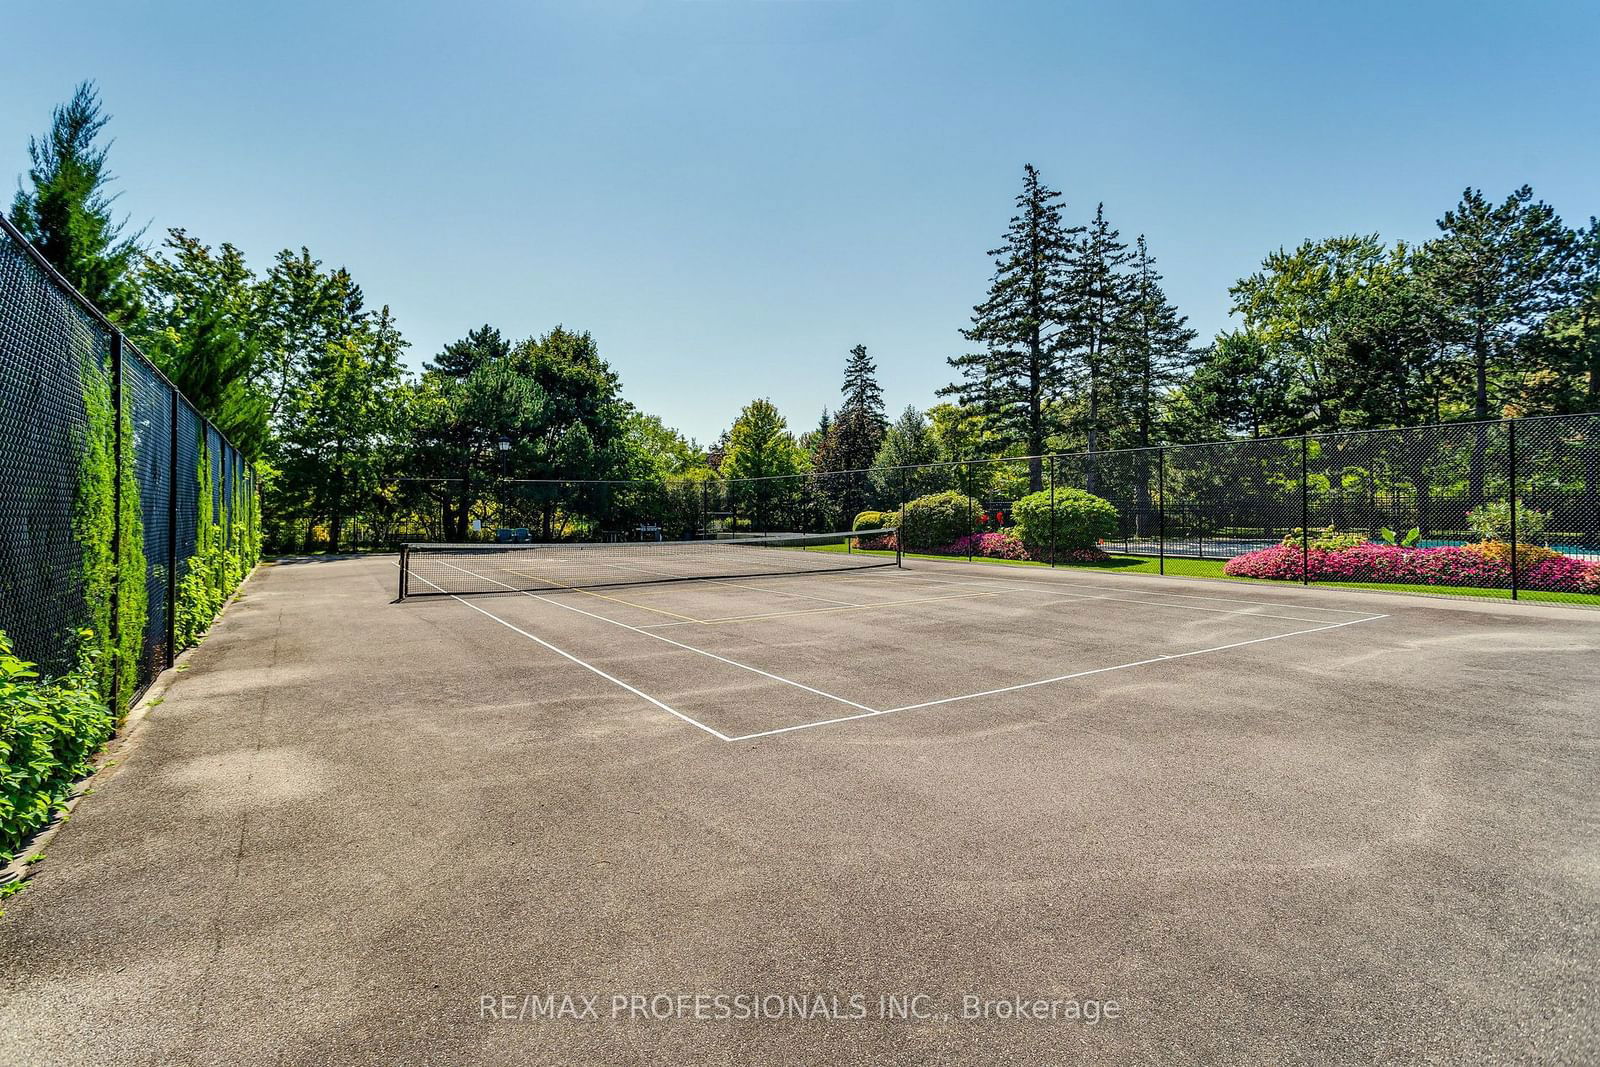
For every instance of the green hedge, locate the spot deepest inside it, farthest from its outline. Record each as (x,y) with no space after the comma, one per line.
(1081,520)
(876,520)
(937,519)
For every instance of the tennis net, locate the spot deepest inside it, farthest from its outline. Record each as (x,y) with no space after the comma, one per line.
(454,569)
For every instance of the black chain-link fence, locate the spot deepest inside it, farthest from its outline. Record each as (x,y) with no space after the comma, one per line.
(1509,509)
(101,465)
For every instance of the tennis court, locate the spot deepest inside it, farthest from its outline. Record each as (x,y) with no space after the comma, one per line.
(761,637)
(1268,824)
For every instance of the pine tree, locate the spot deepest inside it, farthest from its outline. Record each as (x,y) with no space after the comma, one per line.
(461,358)
(1155,345)
(861,390)
(1021,325)
(1494,274)
(1100,295)
(66,214)
(901,465)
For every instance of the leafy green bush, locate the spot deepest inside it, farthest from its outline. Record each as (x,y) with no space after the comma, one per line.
(49,729)
(867,520)
(1492,522)
(1327,538)
(1081,520)
(938,519)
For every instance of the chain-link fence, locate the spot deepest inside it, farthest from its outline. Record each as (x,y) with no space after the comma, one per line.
(113,490)
(1509,509)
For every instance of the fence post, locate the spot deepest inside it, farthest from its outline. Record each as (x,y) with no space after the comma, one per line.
(114,624)
(1305,512)
(705,509)
(1052,461)
(1511,482)
(1161,510)
(405,561)
(172,532)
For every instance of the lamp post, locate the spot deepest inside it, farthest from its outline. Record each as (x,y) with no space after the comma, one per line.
(503,445)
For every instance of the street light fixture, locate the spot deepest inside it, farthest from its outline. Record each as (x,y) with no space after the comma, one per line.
(503,445)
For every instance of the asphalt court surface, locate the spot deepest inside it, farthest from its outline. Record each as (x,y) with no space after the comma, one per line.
(1273,824)
(752,657)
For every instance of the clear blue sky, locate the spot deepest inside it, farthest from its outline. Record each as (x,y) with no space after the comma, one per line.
(729,195)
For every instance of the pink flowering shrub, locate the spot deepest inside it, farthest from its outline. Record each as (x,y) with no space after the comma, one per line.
(884,543)
(998,544)
(1445,565)
(1005,544)
(1564,574)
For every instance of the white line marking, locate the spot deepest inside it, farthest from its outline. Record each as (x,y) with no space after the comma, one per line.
(867,712)
(1129,600)
(1059,678)
(816,611)
(1152,593)
(667,640)
(718,734)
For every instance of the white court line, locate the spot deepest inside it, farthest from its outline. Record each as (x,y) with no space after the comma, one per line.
(718,734)
(1152,593)
(678,579)
(865,712)
(814,611)
(1054,588)
(658,637)
(1058,678)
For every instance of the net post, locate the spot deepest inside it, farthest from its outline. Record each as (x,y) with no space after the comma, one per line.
(1305,511)
(405,567)
(1052,461)
(900,531)
(1511,484)
(972,514)
(1161,510)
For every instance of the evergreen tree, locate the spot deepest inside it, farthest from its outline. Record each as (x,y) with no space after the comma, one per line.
(861,391)
(65,210)
(1098,299)
(900,465)
(460,358)
(812,440)
(1494,274)
(842,488)
(1022,326)
(1155,347)
(1567,348)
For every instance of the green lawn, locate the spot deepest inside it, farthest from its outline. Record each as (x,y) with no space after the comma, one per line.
(1212,568)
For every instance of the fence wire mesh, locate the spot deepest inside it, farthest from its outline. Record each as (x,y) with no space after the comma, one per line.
(1420,509)
(95,474)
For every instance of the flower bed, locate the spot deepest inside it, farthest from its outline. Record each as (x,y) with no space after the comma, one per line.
(1467,565)
(1005,544)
